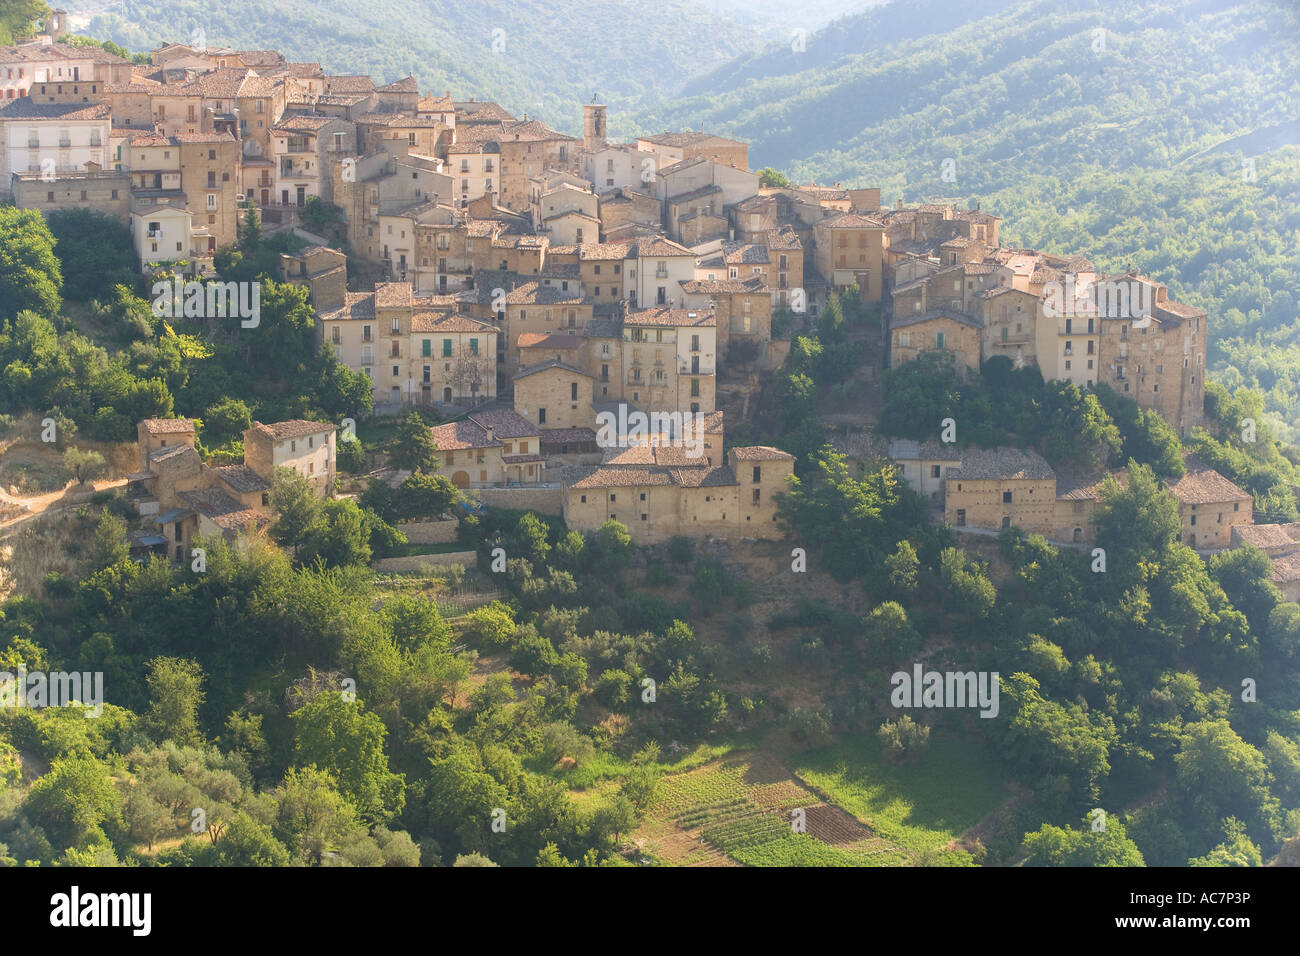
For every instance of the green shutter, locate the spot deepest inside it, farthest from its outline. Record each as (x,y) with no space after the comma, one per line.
(427,348)
(446,348)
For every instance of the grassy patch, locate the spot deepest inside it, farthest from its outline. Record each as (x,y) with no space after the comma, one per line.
(920,806)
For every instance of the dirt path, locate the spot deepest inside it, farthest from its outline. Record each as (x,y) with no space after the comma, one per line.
(67,496)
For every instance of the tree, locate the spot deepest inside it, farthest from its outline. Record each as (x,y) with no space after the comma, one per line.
(94,251)
(492,624)
(30,274)
(175,695)
(108,547)
(903,739)
(84,465)
(1236,850)
(1054,846)
(422,495)
(295,505)
(314,818)
(338,537)
(72,799)
(18,18)
(903,565)
(339,737)
(413,448)
(767,176)
(351,457)
(226,420)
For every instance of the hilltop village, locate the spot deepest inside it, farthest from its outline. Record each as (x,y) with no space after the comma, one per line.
(569,303)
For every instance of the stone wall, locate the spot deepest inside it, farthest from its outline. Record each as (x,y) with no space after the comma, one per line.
(429,532)
(547,501)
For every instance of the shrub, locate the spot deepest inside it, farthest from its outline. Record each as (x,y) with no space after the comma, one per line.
(902,739)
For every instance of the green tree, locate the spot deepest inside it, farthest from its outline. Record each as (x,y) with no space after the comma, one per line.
(108,547)
(85,465)
(295,505)
(422,495)
(413,448)
(767,176)
(30,275)
(226,420)
(94,252)
(175,696)
(72,799)
(1053,846)
(339,737)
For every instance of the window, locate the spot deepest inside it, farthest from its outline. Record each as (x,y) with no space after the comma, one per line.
(934,471)
(446,348)
(1006,497)
(573,391)
(1006,521)
(938,340)
(425,348)
(961,516)
(473,346)
(541,416)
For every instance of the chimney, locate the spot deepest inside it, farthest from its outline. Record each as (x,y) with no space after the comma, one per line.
(491,433)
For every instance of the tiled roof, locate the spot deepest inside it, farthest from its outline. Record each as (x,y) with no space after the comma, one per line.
(223,510)
(761,453)
(27,108)
(1265,536)
(623,478)
(293,428)
(656,247)
(745,253)
(662,456)
(405,85)
(752,285)
(1286,569)
(689,138)
(551,364)
(506,422)
(303,122)
(850,220)
(169,426)
(1203,485)
(864,446)
(356,305)
(242,478)
(349,84)
(171,451)
(450,322)
(1001,463)
(393,295)
(678,318)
